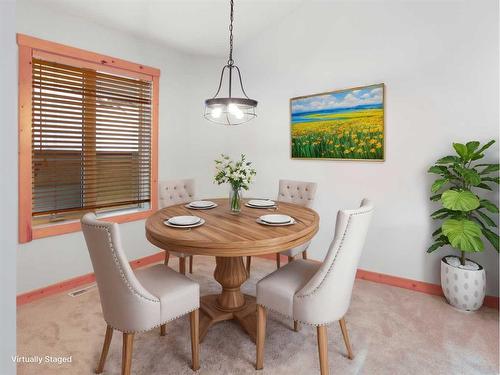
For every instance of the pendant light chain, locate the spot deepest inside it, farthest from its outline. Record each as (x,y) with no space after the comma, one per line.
(230,62)
(230,110)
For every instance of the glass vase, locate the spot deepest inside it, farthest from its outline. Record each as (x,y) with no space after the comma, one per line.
(235,200)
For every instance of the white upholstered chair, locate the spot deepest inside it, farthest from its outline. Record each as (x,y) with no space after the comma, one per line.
(174,192)
(317,293)
(301,193)
(297,192)
(136,302)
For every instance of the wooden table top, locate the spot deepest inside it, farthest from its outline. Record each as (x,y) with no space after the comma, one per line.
(225,234)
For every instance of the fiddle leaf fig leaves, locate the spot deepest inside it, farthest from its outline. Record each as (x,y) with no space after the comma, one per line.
(484,186)
(442,213)
(439,169)
(459,200)
(472,146)
(436,245)
(448,160)
(470,176)
(490,168)
(496,180)
(492,237)
(435,197)
(438,184)
(465,216)
(463,234)
(489,206)
(486,218)
(487,145)
(461,150)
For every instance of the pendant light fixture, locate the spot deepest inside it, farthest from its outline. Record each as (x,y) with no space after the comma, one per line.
(230,110)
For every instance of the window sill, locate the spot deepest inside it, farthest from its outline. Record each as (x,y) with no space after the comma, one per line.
(74,226)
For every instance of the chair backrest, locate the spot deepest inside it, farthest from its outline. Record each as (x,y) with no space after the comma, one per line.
(327,295)
(298,192)
(173,192)
(126,304)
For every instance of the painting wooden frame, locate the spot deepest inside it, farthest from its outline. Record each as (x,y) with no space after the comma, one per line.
(325,126)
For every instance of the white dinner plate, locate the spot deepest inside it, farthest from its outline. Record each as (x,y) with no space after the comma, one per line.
(276,219)
(201,222)
(261,203)
(201,205)
(184,220)
(259,207)
(275,225)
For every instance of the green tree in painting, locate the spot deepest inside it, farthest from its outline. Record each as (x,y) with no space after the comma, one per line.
(465,214)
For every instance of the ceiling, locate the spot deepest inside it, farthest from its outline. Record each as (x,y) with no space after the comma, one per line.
(193,26)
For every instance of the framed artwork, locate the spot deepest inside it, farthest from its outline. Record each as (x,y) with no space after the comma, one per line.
(339,125)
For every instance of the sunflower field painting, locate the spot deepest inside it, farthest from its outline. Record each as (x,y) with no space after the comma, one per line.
(343,125)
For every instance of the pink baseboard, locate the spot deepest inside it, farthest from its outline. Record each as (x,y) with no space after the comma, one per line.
(400,282)
(79,281)
(492,301)
(418,286)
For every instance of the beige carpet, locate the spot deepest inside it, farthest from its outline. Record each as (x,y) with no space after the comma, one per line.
(393,331)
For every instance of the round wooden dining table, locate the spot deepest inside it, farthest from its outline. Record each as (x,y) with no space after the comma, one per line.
(230,237)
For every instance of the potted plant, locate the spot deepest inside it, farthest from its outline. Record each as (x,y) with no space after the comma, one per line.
(237,174)
(465,221)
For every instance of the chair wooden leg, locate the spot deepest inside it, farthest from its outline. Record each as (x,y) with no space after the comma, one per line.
(190,264)
(195,339)
(105,349)
(163,330)
(323,350)
(128,341)
(296,326)
(182,265)
(304,254)
(290,259)
(261,336)
(249,262)
(278,260)
(167,257)
(345,334)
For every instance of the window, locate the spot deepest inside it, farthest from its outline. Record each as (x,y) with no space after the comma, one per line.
(91,141)
(88,126)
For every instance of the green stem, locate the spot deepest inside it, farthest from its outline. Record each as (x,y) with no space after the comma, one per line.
(235,200)
(462,258)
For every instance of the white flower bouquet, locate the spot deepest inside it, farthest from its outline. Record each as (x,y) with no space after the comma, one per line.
(238,174)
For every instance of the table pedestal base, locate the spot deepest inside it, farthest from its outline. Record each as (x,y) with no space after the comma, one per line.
(230,273)
(211,314)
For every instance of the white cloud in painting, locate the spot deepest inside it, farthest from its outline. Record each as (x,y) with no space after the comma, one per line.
(347,99)
(298,108)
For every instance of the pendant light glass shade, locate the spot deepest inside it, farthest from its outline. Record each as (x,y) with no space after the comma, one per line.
(230,110)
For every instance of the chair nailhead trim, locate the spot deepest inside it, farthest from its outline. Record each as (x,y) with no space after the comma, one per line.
(290,317)
(336,255)
(130,287)
(330,269)
(157,325)
(117,262)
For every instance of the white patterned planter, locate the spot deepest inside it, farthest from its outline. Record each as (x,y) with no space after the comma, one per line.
(463,288)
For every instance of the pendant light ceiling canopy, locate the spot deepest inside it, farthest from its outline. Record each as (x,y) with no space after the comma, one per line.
(230,110)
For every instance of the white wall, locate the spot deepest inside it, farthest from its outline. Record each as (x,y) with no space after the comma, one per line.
(439,61)
(46,261)
(8,205)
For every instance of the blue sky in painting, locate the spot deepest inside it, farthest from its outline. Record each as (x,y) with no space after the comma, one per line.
(372,95)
